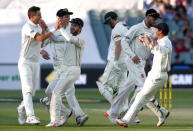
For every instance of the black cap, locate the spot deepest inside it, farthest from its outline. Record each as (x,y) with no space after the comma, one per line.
(109,15)
(163,27)
(77,21)
(152,13)
(62,12)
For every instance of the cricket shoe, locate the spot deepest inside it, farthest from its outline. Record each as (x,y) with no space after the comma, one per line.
(121,122)
(106,115)
(21,115)
(32,120)
(44,101)
(162,119)
(112,120)
(80,120)
(136,120)
(64,119)
(52,124)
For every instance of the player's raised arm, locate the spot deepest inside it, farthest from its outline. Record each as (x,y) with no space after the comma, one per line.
(42,37)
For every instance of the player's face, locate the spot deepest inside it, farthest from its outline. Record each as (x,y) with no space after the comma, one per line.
(65,19)
(151,20)
(157,32)
(110,24)
(36,17)
(75,29)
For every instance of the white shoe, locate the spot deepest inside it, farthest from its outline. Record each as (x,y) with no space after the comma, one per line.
(64,119)
(136,120)
(162,119)
(80,120)
(52,124)
(44,101)
(21,115)
(32,120)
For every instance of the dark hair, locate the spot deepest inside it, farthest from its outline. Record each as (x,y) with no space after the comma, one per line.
(32,10)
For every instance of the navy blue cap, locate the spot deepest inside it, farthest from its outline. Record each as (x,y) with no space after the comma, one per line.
(109,15)
(62,12)
(77,21)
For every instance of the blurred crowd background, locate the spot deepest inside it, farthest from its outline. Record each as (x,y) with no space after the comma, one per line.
(179,15)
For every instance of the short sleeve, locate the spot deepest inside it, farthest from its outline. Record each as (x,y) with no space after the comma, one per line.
(29,31)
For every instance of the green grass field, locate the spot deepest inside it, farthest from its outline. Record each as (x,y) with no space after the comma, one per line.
(181,118)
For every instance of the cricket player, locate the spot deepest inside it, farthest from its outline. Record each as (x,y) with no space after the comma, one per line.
(115,73)
(58,52)
(28,64)
(162,51)
(69,71)
(138,55)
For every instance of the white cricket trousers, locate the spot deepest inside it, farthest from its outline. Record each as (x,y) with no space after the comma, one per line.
(29,75)
(153,83)
(115,78)
(136,77)
(69,94)
(67,77)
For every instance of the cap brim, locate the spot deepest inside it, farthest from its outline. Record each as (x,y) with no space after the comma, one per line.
(156,16)
(70,13)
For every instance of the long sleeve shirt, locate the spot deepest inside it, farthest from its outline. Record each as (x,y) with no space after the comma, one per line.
(131,43)
(162,55)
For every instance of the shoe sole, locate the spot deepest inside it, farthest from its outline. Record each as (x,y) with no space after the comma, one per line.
(83,122)
(165,119)
(120,124)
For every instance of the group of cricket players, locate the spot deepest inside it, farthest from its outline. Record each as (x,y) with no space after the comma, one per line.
(124,74)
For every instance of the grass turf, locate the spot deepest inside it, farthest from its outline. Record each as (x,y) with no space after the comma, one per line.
(93,104)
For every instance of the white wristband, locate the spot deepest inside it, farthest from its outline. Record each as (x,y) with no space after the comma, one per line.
(53,30)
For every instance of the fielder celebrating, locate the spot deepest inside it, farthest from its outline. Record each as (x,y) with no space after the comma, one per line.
(69,71)
(162,50)
(115,73)
(136,63)
(28,64)
(58,48)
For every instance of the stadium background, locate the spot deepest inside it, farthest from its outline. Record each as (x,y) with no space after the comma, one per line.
(177,13)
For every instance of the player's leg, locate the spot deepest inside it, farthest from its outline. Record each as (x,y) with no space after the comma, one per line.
(68,76)
(26,75)
(104,89)
(140,78)
(149,90)
(115,109)
(46,100)
(140,100)
(81,117)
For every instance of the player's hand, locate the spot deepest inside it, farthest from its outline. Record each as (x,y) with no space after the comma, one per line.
(45,54)
(43,25)
(116,65)
(141,39)
(58,24)
(136,59)
(148,38)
